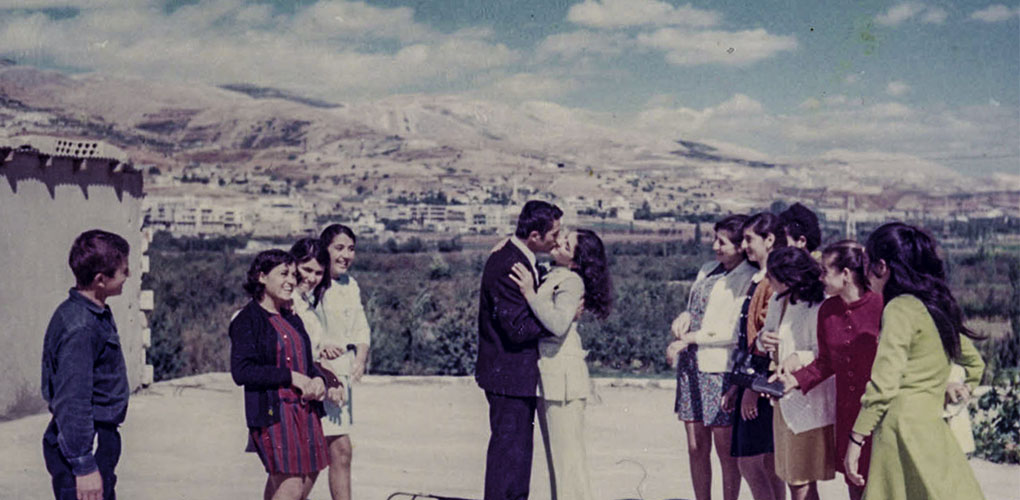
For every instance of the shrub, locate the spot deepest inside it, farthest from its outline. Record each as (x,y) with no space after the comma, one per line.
(996,420)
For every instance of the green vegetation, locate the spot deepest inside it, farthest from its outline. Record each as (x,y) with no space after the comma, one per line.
(422,304)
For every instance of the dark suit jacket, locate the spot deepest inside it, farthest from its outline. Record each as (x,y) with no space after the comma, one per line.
(508,331)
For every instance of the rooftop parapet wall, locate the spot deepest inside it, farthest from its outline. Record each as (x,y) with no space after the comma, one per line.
(47,198)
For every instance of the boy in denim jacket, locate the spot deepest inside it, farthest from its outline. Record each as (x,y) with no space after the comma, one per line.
(84,377)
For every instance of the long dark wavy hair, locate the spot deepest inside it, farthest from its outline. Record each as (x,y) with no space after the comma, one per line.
(325,240)
(800,272)
(593,266)
(915,268)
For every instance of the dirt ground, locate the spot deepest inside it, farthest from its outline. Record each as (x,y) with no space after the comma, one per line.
(184,439)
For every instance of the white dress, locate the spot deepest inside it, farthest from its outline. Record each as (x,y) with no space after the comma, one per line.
(343,323)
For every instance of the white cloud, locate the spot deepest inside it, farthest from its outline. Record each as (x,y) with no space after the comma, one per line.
(996,13)
(950,137)
(897,88)
(328,49)
(902,12)
(77,4)
(684,48)
(580,43)
(934,15)
(624,13)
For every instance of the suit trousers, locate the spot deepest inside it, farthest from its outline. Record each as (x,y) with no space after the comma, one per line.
(562,425)
(511,443)
(107,453)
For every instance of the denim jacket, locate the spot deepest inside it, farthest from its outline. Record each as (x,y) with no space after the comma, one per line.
(84,377)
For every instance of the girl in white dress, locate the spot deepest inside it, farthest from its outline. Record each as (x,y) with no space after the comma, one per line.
(344,346)
(580,281)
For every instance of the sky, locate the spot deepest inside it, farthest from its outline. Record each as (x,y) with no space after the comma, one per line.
(938,81)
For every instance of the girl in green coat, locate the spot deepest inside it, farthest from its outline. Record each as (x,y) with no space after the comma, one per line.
(914,454)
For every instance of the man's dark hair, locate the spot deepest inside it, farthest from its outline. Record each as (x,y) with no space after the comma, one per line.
(536,216)
(96,252)
(798,221)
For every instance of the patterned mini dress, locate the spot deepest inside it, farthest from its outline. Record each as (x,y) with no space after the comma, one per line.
(698,393)
(295,445)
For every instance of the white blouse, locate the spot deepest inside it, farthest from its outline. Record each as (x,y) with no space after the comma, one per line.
(797,327)
(343,319)
(719,332)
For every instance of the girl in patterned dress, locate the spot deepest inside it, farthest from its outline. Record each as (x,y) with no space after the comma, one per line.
(706,335)
(271,356)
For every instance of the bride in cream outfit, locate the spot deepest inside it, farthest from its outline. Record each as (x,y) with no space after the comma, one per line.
(579,281)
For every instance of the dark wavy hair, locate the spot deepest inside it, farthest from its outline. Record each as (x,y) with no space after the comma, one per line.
(96,252)
(263,263)
(764,224)
(798,221)
(848,254)
(307,249)
(800,272)
(325,240)
(915,268)
(733,225)
(538,216)
(593,266)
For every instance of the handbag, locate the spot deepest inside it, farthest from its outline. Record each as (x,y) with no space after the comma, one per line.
(751,371)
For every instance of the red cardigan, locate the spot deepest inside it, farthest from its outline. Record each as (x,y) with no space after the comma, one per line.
(847,342)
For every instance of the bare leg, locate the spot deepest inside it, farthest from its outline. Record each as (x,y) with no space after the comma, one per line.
(807,491)
(730,475)
(778,486)
(753,470)
(340,453)
(699,452)
(291,487)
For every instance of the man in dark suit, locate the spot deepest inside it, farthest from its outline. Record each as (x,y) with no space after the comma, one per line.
(507,367)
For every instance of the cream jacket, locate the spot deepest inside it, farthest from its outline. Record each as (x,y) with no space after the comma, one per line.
(564,374)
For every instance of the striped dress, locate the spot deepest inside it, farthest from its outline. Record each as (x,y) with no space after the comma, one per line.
(295,445)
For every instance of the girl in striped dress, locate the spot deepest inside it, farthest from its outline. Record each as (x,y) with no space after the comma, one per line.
(271,356)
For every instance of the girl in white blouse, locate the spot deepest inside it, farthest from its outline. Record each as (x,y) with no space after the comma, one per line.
(579,281)
(345,341)
(802,424)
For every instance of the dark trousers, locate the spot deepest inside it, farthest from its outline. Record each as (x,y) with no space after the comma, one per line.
(107,455)
(508,460)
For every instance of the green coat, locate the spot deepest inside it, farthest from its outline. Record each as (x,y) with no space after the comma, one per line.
(914,454)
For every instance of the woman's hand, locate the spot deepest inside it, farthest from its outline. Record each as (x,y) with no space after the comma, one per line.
(521,275)
(331,351)
(790,364)
(681,325)
(336,395)
(789,381)
(852,460)
(749,405)
(769,340)
(316,390)
(957,392)
(299,381)
(673,351)
(729,398)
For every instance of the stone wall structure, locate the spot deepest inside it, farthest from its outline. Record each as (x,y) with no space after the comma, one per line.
(51,190)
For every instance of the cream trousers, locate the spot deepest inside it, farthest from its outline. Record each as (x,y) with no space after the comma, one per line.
(562,425)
